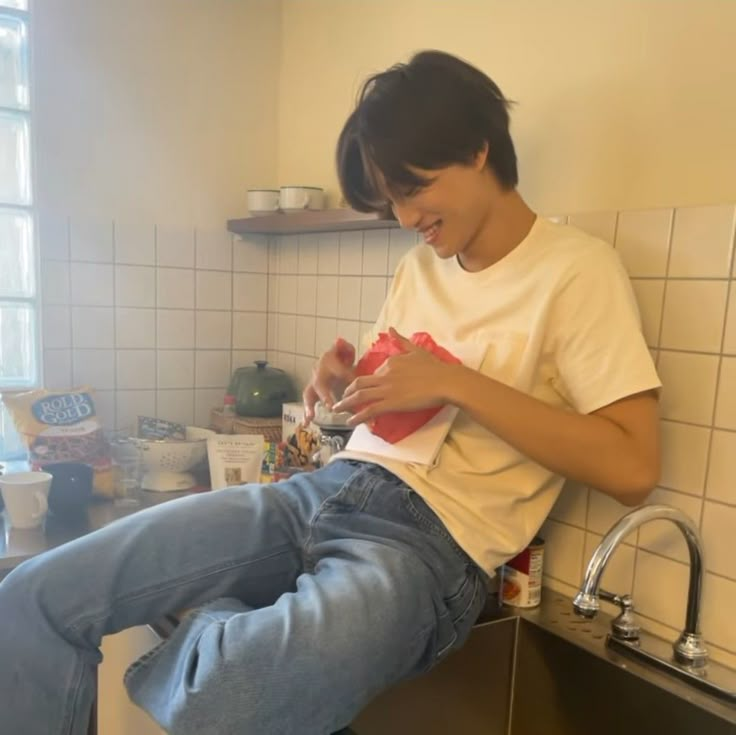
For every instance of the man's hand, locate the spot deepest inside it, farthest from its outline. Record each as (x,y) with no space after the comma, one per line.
(331,373)
(407,382)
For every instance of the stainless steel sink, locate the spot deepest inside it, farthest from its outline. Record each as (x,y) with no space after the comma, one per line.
(544,672)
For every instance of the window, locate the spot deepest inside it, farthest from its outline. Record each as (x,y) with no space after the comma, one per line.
(19,338)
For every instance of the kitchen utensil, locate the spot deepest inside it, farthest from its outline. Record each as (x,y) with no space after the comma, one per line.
(261,390)
(299,198)
(166,461)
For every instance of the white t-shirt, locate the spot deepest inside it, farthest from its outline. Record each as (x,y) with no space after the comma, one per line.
(558,321)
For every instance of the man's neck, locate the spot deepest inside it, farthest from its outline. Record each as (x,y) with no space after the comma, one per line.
(508,222)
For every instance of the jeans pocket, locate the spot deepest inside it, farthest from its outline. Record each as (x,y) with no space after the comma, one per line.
(461,609)
(426,519)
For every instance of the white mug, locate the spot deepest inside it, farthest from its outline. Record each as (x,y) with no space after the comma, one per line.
(25,495)
(295,198)
(262,201)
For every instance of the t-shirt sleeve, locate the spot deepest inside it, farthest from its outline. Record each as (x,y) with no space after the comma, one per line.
(598,345)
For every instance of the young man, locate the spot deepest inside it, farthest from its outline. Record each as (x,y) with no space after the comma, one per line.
(315,594)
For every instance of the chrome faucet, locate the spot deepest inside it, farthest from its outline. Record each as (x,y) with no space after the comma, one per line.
(689,649)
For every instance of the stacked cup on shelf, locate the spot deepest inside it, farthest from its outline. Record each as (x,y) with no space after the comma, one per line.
(287,199)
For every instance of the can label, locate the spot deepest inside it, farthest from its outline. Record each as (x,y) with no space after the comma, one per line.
(522,576)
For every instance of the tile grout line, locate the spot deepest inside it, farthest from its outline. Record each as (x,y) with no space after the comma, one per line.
(68,233)
(193,234)
(114,322)
(155,321)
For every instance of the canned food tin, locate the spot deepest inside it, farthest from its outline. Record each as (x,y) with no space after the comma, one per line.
(522,583)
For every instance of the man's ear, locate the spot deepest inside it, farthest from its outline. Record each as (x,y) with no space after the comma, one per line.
(481,158)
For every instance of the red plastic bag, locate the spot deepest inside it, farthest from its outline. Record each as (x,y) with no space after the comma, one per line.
(395,426)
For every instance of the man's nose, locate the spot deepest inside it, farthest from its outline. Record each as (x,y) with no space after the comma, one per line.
(408,216)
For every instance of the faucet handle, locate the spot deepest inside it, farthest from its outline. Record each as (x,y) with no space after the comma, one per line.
(623,627)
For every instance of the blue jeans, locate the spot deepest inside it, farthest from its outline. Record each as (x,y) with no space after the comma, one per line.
(310,597)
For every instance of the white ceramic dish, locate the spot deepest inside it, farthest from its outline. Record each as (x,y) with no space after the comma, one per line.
(263,201)
(299,198)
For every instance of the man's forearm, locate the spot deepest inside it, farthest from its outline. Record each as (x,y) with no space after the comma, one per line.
(589,448)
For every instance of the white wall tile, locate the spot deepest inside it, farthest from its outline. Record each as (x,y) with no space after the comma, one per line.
(721,484)
(572,504)
(91,284)
(53,235)
(175,246)
(271,330)
(664,537)
(598,224)
(305,334)
(214,249)
(95,368)
(689,382)
(348,297)
(274,254)
(660,588)
(325,335)
(719,602)
(604,511)
(288,294)
(213,368)
(327,287)
(213,330)
(249,331)
(134,403)
(349,331)
(726,401)
(175,328)
(57,369)
(306,297)
(205,399)
(135,328)
(372,295)
(175,288)
(285,361)
(366,330)
(563,551)
(250,291)
(351,253)
(136,369)
(729,341)
(650,298)
(274,289)
(309,253)
(90,239)
(105,407)
(302,371)
(400,243)
(176,405)
(93,327)
(55,281)
(135,243)
(328,262)
(693,315)
(642,241)
(286,340)
(246,358)
(719,523)
(684,456)
(56,327)
(214,290)
(175,369)
(375,252)
(289,254)
(702,239)
(135,285)
(250,254)
(618,576)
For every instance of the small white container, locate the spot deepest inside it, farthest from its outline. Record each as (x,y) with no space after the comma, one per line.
(299,198)
(262,201)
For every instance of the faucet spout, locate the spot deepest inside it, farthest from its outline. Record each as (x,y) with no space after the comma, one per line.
(689,648)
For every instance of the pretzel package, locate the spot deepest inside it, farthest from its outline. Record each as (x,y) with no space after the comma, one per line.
(63,426)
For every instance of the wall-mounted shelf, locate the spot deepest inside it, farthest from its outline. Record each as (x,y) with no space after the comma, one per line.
(322,220)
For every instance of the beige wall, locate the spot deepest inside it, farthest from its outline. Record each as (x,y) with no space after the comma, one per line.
(622,103)
(163,111)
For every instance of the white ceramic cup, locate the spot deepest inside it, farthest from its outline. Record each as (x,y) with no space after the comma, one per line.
(25,495)
(262,201)
(294,198)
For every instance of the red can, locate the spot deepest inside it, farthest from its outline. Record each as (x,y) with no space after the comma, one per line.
(522,576)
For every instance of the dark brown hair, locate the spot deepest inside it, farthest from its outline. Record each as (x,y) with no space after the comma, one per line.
(433,112)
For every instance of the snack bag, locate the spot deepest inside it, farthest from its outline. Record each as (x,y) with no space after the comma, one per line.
(63,426)
(395,426)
